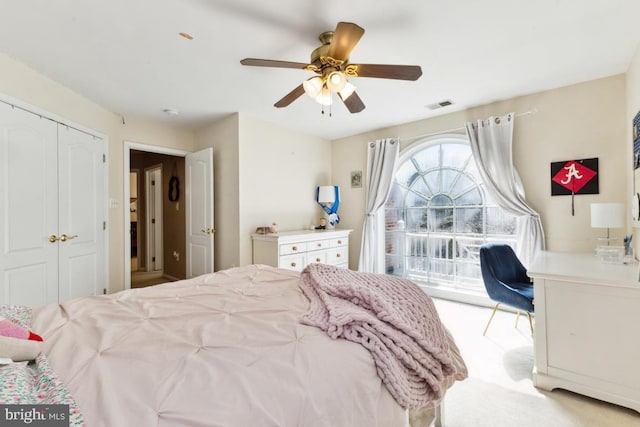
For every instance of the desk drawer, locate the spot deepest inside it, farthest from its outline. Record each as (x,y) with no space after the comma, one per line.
(342,241)
(293,248)
(337,256)
(293,262)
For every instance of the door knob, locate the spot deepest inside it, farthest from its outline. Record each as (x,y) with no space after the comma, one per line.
(208,231)
(53,238)
(64,237)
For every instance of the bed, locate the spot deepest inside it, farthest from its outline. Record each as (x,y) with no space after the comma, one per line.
(224,349)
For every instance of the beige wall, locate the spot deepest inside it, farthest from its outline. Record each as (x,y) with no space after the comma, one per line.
(223,137)
(23,83)
(279,171)
(263,173)
(574,122)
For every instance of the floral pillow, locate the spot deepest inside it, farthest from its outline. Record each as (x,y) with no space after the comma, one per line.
(17,342)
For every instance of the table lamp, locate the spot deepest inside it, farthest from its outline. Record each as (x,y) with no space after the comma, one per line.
(607,215)
(328,197)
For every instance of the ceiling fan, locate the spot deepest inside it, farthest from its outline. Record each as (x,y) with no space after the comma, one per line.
(331,64)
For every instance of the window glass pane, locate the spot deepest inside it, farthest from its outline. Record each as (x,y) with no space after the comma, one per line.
(421,188)
(462,185)
(500,222)
(433,179)
(469,220)
(391,218)
(416,220)
(427,159)
(415,200)
(449,177)
(441,200)
(406,174)
(441,219)
(473,197)
(455,155)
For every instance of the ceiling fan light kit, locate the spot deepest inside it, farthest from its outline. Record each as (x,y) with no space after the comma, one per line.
(330,62)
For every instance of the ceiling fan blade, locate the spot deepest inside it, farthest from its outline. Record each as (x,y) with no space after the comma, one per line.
(272,63)
(385,71)
(290,97)
(345,38)
(353,103)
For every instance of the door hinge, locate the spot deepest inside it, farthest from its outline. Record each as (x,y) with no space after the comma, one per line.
(104,291)
(153,182)
(153,220)
(153,259)
(104,225)
(104,158)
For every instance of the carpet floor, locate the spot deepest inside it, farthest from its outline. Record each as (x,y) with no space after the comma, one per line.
(499,391)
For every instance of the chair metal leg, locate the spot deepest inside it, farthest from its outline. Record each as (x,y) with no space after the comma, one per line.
(490,319)
(517,318)
(530,323)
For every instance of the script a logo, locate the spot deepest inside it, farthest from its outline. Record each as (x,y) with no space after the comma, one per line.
(573,176)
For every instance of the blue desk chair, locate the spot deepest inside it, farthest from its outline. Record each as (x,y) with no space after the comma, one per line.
(506,280)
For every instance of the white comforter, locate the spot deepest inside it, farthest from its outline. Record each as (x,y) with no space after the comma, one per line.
(225,349)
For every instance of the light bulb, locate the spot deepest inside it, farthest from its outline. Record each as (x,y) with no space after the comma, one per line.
(336,81)
(313,86)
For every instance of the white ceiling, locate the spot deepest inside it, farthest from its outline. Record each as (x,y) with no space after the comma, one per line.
(127,56)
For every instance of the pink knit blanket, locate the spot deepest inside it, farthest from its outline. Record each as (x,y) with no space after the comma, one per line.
(392,318)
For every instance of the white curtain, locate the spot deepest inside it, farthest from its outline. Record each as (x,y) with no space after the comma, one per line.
(381,163)
(492,147)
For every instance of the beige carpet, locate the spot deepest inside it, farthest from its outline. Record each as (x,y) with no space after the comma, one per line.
(499,391)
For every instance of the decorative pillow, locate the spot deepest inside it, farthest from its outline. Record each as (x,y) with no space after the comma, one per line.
(17,342)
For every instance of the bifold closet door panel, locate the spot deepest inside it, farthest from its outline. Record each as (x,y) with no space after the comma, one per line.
(28,208)
(82,213)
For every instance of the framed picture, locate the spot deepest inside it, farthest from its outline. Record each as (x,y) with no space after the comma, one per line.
(636,141)
(356,179)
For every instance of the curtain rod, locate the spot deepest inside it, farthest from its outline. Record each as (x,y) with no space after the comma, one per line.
(525,113)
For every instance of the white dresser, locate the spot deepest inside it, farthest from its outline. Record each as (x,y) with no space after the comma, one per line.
(587,330)
(293,250)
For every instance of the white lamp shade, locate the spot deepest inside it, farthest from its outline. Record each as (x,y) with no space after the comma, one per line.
(336,81)
(313,86)
(607,215)
(327,194)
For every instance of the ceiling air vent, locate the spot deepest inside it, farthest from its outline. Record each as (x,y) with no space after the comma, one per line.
(440,104)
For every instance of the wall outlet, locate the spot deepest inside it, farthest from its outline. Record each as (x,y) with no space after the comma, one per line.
(176,255)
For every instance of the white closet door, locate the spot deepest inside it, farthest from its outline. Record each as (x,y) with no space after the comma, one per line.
(82,213)
(28,208)
(199,211)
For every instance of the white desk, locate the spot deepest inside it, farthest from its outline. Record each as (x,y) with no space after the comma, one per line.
(587,330)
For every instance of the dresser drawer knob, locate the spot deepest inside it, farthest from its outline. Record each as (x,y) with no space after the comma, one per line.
(295,248)
(339,242)
(317,259)
(337,255)
(319,245)
(293,264)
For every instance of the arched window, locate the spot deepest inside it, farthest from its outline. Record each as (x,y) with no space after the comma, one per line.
(439,214)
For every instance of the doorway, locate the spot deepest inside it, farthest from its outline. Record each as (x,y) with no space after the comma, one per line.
(156,234)
(185,217)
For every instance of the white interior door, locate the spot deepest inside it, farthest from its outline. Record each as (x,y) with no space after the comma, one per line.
(199,211)
(28,208)
(82,222)
(154,239)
